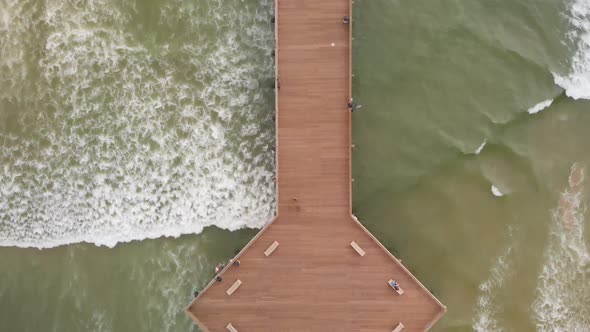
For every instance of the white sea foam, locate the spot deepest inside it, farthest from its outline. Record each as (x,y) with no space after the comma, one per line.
(99,322)
(496,191)
(540,106)
(480,147)
(577,82)
(563,290)
(488,309)
(118,140)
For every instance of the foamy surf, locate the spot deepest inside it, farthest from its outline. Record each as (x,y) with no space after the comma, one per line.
(577,82)
(122,140)
(563,290)
(480,147)
(496,192)
(540,106)
(488,308)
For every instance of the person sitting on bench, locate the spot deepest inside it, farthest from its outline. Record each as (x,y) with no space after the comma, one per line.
(394,284)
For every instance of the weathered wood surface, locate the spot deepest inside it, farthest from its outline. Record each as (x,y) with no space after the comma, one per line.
(314,281)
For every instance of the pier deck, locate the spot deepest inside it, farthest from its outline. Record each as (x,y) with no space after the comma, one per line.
(314,280)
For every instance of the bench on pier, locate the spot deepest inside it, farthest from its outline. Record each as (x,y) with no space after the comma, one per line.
(398,328)
(272,248)
(233,287)
(400,291)
(231,328)
(358,249)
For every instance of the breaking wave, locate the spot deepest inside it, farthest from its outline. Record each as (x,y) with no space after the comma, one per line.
(577,82)
(496,192)
(540,106)
(115,129)
(481,146)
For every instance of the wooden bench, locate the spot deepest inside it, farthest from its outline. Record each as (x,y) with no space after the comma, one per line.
(358,249)
(233,287)
(400,291)
(272,248)
(398,328)
(231,328)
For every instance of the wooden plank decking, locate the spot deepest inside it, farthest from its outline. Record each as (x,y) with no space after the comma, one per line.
(314,281)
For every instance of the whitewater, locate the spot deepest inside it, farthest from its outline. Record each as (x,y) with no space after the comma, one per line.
(577,82)
(109,136)
(561,303)
(488,307)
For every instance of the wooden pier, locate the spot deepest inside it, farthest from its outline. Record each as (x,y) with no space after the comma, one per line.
(314,278)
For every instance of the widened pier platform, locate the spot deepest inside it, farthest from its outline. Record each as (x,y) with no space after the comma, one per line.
(314,278)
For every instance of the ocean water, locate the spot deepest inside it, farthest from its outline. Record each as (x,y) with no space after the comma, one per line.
(127,120)
(136,153)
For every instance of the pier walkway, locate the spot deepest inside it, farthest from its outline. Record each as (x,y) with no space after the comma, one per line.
(314,280)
